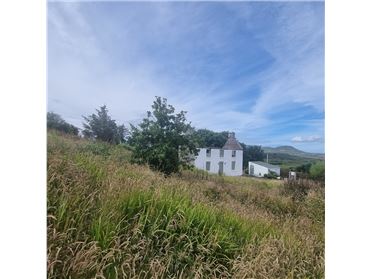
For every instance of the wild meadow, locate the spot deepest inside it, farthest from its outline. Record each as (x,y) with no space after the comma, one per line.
(109,218)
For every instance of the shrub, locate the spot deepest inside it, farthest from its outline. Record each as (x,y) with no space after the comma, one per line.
(56,122)
(284,171)
(271,175)
(317,171)
(304,168)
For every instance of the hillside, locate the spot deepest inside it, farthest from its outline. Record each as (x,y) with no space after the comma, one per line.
(290,157)
(108,218)
(290,150)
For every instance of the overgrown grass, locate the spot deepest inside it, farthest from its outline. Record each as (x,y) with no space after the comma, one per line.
(108,218)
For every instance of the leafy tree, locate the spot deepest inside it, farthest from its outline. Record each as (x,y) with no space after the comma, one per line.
(252,153)
(163,139)
(317,171)
(208,138)
(55,121)
(100,126)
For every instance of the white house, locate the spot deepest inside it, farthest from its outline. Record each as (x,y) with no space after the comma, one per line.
(227,160)
(259,169)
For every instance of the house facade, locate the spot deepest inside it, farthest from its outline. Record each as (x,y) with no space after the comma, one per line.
(227,160)
(259,169)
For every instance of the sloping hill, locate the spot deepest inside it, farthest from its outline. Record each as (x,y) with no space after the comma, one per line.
(290,157)
(290,150)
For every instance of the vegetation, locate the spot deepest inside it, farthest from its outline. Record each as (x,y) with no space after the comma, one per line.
(304,168)
(166,142)
(108,218)
(252,153)
(271,175)
(297,189)
(101,127)
(208,138)
(291,161)
(317,171)
(163,139)
(56,122)
(290,150)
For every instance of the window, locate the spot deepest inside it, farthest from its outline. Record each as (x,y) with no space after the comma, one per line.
(221,152)
(234,153)
(208,166)
(233,165)
(208,152)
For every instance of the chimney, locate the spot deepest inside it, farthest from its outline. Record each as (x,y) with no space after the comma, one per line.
(267,157)
(231,135)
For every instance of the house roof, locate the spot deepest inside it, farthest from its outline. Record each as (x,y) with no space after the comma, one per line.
(266,165)
(232,143)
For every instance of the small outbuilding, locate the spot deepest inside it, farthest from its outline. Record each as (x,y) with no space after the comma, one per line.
(259,169)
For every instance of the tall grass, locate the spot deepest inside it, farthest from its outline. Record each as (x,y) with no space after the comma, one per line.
(108,218)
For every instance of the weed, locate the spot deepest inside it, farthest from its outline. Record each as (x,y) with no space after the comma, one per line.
(108,218)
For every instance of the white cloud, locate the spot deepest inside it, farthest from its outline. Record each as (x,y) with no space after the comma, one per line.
(306,139)
(82,77)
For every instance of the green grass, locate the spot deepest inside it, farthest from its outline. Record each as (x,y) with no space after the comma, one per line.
(108,218)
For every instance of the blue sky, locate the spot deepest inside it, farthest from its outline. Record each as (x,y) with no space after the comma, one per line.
(256,68)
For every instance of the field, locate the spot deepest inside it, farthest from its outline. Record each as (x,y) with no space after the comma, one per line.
(108,218)
(288,157)
(287,161)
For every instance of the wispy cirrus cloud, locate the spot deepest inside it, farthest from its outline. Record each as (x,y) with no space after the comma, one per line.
(255,68)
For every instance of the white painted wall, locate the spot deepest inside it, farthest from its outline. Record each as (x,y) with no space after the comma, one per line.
(260,171)
(201,159)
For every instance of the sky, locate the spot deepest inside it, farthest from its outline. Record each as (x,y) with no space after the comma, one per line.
(253,68)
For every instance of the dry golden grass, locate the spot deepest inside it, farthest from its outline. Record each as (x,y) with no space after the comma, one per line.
(108,218)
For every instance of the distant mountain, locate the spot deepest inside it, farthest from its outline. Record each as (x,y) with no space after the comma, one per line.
(290,150)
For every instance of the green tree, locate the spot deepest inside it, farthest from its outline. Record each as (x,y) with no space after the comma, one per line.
(252,153)
(100,126)
(208,138)
(164,139)
(317,171)
(55,121)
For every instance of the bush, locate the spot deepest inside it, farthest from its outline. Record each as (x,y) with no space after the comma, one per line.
(56,122)
(271,175)
(304,168)
(284,171)
(317,171)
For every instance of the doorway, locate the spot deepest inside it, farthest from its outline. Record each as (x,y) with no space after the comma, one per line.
(220,168)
